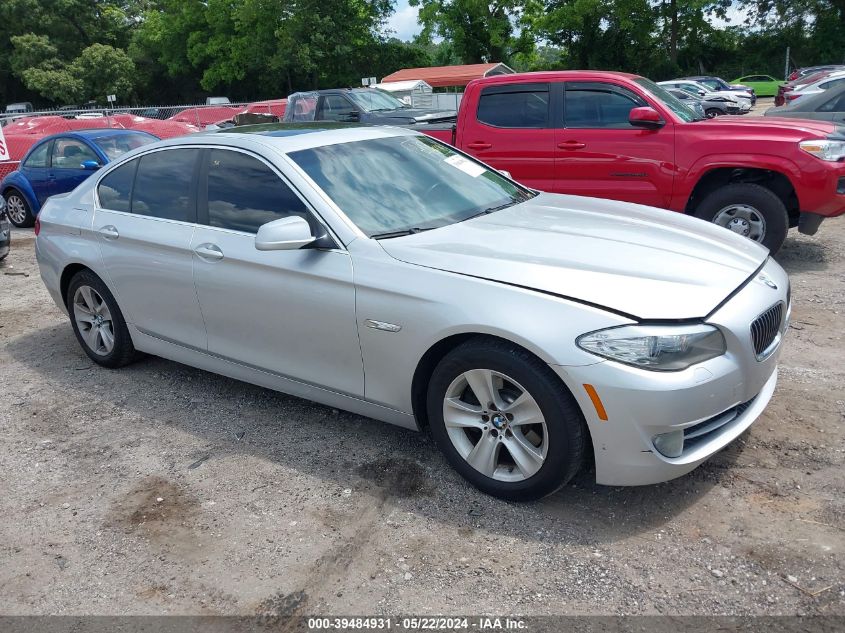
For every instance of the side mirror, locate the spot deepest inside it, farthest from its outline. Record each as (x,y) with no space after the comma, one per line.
(645,117)
(285,234)
(505,173)
(90,165)
(353,115)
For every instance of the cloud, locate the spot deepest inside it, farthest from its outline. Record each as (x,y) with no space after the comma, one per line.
(403,22)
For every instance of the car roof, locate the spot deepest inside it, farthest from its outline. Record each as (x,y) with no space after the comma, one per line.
(94,133)
(288,137)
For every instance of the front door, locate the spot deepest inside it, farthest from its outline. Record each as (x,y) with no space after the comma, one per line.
(288,312)
(36,168)
(66,171)
(600,154)
(144,231)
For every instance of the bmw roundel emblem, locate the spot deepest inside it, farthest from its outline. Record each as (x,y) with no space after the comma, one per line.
(768,281)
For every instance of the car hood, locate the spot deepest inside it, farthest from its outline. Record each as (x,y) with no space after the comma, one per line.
(417,114)
(770,127)
(643,262)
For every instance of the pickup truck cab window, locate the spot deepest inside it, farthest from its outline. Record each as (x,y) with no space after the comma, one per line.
(598,105)
(335,108)
(515,106)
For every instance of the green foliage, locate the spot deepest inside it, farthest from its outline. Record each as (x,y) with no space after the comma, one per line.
(68,51)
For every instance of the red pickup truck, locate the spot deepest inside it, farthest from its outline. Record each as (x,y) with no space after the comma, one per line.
(620,136)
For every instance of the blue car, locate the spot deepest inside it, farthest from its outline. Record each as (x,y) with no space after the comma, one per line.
(58,163)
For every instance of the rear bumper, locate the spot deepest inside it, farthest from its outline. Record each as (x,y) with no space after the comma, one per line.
(709,404)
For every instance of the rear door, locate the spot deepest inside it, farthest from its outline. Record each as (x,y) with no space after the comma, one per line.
(144,222)
(511,129)
(288,312)
(66,170)
(600,154)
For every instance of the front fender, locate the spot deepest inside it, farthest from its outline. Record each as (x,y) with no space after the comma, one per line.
(16,180)
(709,162)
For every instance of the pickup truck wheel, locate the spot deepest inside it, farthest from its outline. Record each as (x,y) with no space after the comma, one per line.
(748,210)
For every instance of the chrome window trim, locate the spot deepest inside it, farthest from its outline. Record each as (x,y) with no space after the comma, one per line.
(202,146)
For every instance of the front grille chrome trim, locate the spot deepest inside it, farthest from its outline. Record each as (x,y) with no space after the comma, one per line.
(766,331)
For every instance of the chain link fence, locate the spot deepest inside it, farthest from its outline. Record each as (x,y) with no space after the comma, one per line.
(23,130)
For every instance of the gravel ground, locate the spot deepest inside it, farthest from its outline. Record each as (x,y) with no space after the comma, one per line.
(163,489)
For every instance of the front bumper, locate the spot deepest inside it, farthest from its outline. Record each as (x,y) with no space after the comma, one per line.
(711,402)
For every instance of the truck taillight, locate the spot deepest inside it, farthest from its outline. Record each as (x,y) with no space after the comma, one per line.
(37,227)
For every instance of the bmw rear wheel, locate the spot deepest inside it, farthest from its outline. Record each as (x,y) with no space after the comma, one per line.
(17,209)
(98,322)
(505,421)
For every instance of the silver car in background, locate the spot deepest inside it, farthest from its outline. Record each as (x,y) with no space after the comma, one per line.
(383,272)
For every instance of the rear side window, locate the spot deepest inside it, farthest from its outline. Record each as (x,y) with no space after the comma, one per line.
(40,157)
(515,106)
(115,189)
(163,185)
(598,105)
(837,104)
(244,193)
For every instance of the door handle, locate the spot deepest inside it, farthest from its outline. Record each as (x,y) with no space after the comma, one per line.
(109,232)
(571,145)
(479,145)
(209,252)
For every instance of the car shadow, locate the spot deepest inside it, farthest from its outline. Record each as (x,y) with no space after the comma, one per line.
(398,467)
(800,254)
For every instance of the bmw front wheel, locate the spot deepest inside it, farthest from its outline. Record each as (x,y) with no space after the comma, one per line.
(505,421)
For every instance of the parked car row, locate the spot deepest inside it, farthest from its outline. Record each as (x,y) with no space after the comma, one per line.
(714,99)
(809,81)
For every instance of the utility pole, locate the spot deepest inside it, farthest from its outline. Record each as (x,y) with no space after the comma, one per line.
(786,66)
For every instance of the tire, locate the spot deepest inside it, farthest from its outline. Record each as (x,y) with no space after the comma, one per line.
(730,205)
(712,113)
(490,436)
(18,210)
(88,299)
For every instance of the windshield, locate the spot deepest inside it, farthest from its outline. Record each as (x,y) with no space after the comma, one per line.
(113,145)
(683,111)
(374,100)
(405,184)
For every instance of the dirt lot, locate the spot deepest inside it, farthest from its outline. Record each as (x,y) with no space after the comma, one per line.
(163,489)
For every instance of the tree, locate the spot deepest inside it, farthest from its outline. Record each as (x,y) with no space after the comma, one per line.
(479,31)
(104,70)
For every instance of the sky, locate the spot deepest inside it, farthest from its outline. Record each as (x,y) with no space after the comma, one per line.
(404,21)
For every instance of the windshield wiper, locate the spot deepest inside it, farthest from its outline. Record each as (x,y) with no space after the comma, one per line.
(490,210)
(389,234)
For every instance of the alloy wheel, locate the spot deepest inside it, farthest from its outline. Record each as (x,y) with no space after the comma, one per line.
(495,425)
(16,209)
(94,320)
(742,219)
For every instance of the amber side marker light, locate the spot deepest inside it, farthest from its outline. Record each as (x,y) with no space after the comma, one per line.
(594,396)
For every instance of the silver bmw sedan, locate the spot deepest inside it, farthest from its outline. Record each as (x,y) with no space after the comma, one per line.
(380,271)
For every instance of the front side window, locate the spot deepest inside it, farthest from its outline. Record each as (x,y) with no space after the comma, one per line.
(163,185)
(69,153)
(515,106)
(244,193)
(40,157)
(405,183)
(115,189)
(598,105)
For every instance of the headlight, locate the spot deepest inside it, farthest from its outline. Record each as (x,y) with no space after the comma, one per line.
(825,149)
(656,347)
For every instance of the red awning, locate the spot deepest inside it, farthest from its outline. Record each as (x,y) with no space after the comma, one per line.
(440,76)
